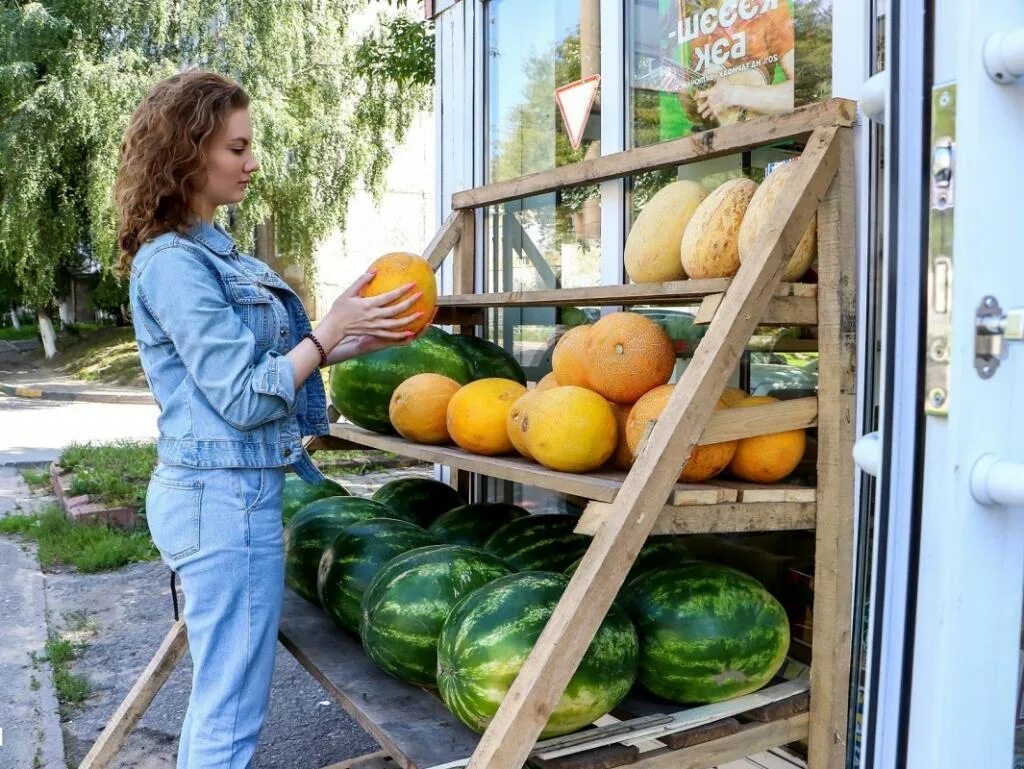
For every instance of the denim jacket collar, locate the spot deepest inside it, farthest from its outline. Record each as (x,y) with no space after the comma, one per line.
(212,236)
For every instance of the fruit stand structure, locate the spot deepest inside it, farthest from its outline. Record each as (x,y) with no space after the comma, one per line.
(412,725)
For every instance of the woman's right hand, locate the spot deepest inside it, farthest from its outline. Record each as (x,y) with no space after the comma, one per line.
(379,316)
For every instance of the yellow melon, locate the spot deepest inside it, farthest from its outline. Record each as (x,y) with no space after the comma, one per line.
(767,458)
(705,462)
(569,357)
(516,420)
(759,213)
(571,429)
(419,407)
(710,244)
(627,354)
(652,247)
(478,412)
(398,268)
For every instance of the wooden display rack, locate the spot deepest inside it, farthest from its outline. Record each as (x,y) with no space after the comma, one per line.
(412,726)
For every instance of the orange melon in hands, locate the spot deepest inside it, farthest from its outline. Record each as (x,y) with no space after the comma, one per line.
(767,458)
(478,412)
(419,407)
(398,268)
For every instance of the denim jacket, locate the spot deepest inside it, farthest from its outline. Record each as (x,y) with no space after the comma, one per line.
(213,327)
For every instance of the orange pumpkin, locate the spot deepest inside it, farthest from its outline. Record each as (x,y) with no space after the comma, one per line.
(767,458)
(478,412)
(570,356)
(419,407)
(705,462)
(398,268)
(627,355)
(571,429)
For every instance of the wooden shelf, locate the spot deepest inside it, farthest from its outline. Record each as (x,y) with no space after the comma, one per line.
(418,732)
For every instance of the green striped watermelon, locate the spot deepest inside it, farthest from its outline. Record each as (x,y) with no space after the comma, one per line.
(418,499)
(361,387)
(656,553)
(486,359)
(707,632)
(354,558)
(312,529)
(408,601)
(298,493)
(472,524)
(489,634)
(545,542)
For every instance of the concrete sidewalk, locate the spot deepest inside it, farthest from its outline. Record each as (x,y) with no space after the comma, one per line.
(69,389)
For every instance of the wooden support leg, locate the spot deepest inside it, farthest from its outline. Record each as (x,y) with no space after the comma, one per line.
(554,659)
(138,699)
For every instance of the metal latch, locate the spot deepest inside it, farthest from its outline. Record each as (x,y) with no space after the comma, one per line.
(993,329)
(942,174)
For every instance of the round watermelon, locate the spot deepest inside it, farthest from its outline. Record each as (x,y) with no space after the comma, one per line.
(418,499)
(298,493)
(707,632)
(486,359)
(656,553)
(353,559)
(361,387)
(545,542)
(311,531)
(489,634)
(472,524)
(408,601)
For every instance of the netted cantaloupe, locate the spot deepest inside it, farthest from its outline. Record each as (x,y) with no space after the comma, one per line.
(710,244)
(569,357)
(652,247)
(571,429)
(767,458)
(759,213)
(477,414)
(705,462)
(419,407)
(627,354)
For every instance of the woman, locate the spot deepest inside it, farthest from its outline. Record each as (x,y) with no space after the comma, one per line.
(232,361)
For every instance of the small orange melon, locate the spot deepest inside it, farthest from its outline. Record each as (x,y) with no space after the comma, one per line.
(419,406)
(622,459)
(547,381)
(569,358)
(767,458)
(705,462)
(627,354)
(571,429)
(478,412)
(398,268)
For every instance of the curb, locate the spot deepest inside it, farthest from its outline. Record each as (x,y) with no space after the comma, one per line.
(91,396)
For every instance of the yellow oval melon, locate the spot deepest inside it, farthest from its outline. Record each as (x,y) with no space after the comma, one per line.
(710,244)
(759,214)
(652,247)
(516,420)
(419,406)
(478,412)
(767,458)
(571,429)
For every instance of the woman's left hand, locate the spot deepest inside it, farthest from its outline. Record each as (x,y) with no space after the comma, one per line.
(355,345)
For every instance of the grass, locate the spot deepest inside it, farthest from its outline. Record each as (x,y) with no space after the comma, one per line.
(71,689)
(111,473)
(37,480)
(12,334)
(87,547)
(106,355)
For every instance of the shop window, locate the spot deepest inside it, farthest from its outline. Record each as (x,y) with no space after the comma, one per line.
(696,65)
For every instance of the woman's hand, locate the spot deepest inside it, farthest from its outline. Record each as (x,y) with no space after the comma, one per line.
(360,344)
(380,317)
(721,96)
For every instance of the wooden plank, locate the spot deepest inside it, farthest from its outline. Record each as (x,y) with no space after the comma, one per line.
(782,311)
(800,703)
(464,273)
(670,292)
(726,140)
(713,731)
(606,757)
(777,492)
(135,703)
(701,494)
(594,585)
(445,239)
(733,424)
(378,760)
(458,316)
(750,739)
(729,517)
(411,725)
(837,419)
(330,443)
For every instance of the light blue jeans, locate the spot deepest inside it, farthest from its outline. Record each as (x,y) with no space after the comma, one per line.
(220,530)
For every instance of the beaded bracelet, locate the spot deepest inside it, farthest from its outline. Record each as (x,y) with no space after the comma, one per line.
(319,347)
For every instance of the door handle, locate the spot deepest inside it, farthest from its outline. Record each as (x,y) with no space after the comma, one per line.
(872,96)
(867,453)
(997,482)
(1004,56)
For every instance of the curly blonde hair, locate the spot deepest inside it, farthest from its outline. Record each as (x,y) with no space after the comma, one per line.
(164,152)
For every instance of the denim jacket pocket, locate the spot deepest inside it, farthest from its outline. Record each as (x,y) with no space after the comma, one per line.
(254,304)
(172,513)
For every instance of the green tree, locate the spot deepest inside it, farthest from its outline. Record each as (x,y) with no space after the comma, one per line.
(327,105)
